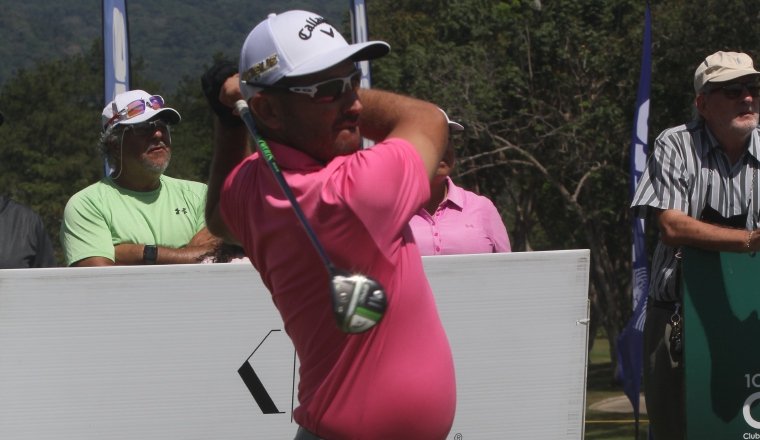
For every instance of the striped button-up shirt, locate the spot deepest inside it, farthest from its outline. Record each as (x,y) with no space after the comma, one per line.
(686,171)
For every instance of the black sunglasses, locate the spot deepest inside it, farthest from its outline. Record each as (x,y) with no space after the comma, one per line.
(736,90)
(146,129)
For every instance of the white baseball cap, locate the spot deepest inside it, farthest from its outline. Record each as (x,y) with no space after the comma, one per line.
(296,43)
(134,107)
(721,67)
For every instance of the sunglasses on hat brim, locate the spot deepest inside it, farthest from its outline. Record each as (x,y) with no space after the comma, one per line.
(134,109)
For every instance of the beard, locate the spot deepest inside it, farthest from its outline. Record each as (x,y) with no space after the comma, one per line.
(347,142)
(156,166)
(745,126)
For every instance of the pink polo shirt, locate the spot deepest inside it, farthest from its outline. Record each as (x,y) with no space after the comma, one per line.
(395,381)
(464,223)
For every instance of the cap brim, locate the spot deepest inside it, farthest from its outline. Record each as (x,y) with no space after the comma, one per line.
(354,52)
(729,76)
(455,126)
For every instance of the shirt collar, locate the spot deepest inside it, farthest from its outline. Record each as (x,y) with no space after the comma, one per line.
(291,159)
(754,145)
(455,194)
(712,143)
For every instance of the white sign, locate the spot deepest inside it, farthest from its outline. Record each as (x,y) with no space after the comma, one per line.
(198,351)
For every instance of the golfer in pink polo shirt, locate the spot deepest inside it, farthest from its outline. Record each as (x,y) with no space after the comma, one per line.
(299,78)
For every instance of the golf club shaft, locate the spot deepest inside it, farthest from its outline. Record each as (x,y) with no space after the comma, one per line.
(266,153)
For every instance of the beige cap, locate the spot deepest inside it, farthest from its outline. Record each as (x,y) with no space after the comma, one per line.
(723,66)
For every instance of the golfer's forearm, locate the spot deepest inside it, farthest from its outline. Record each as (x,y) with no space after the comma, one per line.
(128,254)
(230,148)
(421,123)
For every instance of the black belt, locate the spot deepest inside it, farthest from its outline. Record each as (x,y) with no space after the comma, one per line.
(304,434)
(667,305)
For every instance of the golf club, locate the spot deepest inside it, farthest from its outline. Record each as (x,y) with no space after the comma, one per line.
(358,301)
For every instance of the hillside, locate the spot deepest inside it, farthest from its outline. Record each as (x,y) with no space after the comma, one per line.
(171,38)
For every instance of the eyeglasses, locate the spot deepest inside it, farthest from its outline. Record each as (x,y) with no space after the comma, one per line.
(327,91)
(736,90)
(146,129)
(135,108)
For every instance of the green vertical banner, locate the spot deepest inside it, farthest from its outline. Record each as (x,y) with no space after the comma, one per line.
(722,344)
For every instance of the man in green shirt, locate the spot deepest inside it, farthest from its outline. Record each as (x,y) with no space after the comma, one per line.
(136,215)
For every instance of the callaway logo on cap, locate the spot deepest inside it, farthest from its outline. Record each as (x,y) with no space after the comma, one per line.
(296,43)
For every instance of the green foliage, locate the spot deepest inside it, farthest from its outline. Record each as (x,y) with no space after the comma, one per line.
(52,86)
(684,33)
(48,140)
(191,139)
(546,90)
(172,37)
(546,94)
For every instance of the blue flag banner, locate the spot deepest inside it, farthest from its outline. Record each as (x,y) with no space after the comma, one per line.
(630,342)
(115,53)
(115,48)
(359,34)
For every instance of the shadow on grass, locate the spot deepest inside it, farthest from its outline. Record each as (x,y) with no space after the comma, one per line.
(600,377)
(602,425)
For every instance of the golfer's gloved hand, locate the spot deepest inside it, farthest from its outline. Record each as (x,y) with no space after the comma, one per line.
(211,83)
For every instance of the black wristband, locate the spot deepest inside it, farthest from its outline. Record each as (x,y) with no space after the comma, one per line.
(211,83)
(150,254)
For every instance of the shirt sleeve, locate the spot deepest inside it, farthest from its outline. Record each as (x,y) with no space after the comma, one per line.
(421,232)
(199,189)
(235,198)
(84,231)
(44,255)
(495,228)
(664,184)
(384,186)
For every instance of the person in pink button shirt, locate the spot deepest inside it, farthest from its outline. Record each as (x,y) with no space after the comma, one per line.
(457,221)
(299,78)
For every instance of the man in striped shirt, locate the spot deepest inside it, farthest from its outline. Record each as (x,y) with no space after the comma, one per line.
(701,184)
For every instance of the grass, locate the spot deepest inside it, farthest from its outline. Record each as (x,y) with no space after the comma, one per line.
(602,425)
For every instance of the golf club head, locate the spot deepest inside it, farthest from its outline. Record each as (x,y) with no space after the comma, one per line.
(359,302)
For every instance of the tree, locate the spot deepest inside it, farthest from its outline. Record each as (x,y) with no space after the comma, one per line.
(192,137)
(50,133)
(52,128)
(546,90)
(547,95)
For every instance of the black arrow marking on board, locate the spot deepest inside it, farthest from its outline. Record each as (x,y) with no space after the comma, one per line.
(254,385)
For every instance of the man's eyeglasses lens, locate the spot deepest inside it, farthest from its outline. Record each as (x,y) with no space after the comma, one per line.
(148,128)
(736,90)
(332,89)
